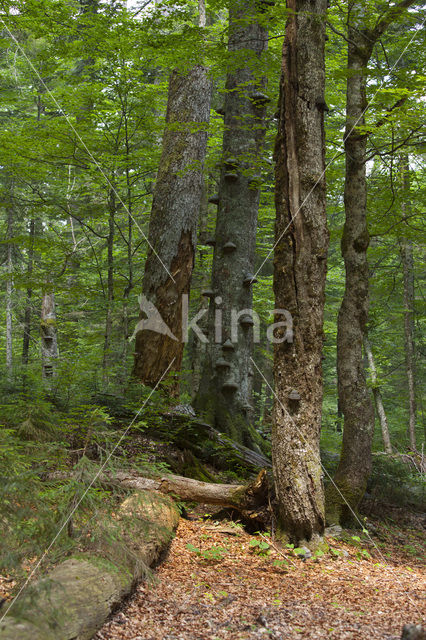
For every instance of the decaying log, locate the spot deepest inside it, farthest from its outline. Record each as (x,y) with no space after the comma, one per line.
(252,459)
(243,498)
(74,600)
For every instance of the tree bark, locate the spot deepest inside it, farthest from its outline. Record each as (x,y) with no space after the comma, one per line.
(243,498)
(225,395)
(354,397)
(48,332)
(380,409)
(75,599)
(350,481)
(300,272)
(173,223)
(28,308)
(406,251)
(110,285)
(9,292)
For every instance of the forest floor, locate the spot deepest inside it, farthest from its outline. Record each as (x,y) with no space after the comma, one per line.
(218,582)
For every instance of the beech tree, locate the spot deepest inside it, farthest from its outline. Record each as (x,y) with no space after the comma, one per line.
(407,259)
(225,394)
(377,395)
(173,222)
(300,271)
(350,481)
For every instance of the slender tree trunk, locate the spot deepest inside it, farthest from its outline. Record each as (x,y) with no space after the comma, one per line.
(380,409)
(130,282)
(28,308)
(225,395)
(197,348)
(354,397)
(350,481)
(406,250)
(110,286)
(9,291)
(49,337)
(300,272)
(173,223)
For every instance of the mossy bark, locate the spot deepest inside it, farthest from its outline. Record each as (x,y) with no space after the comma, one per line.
(74,600)
(48,333)
(350,480)
(300,272)
(173,223)
(225,394)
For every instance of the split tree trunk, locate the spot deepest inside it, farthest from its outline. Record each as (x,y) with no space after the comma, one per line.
(406,250)
(49,338)
(350,480)
(380,409)
(173,223)
(300,272)
(225,395)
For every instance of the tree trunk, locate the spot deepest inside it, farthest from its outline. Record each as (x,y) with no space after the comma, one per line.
(130,283)
(49,339)
(225,395)
(380,409)
(354,467)
(9,292)
(300,272)
(350,481)
(173,223)
(28,308)
(406,250)
(197,348)
(110,286)
(76,597)
(243,498)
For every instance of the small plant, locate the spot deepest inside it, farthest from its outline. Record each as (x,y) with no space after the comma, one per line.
(280,563)
(214,554)
(260,547)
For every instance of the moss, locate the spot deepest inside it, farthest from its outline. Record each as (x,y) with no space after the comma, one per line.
(341,502)
(106,566)
(192,468)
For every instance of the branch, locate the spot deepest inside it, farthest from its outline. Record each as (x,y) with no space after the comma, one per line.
(390,16)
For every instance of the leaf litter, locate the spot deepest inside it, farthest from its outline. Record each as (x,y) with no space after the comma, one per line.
(219,582)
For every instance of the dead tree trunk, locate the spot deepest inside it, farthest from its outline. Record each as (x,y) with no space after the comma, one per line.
(76,597)
(225,395)
(48,333)
(247,499)
(380,409)
(173,224)
(300,271)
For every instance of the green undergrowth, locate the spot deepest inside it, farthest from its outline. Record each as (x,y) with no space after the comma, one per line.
(67,515)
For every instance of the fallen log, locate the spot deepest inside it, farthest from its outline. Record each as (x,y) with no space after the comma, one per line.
(243,498)
(189,423)
(74,600)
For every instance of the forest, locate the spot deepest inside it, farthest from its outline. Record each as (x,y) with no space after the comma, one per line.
(212,293)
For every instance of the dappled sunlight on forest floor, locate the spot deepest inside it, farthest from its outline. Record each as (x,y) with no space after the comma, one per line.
(218,582)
